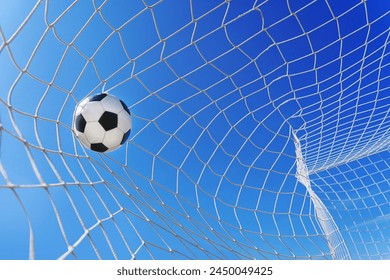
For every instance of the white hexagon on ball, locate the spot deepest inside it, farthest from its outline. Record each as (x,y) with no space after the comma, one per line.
(113,138)
(83,139)
(94,132)
(92,111)
(102,122)
(111,104)
(124,122)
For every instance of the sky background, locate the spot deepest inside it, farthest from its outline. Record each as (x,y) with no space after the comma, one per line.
(216,90)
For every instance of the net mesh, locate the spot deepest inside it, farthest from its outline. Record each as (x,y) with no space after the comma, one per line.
(260,130)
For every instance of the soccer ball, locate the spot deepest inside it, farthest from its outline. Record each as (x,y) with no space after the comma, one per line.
(102,122)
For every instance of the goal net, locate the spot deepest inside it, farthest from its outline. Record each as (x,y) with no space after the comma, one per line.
(261,129)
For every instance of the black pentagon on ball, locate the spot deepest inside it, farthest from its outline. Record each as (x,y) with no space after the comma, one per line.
(98,97)
(125,136)
(125,107)
(80,123)
(98,147)
(108,120)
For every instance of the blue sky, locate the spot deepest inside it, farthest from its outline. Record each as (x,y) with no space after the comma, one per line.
(215,91)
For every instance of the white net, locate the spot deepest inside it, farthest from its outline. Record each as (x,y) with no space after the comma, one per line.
(261,129)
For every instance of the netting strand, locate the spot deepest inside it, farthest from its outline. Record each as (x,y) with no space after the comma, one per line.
(261,130)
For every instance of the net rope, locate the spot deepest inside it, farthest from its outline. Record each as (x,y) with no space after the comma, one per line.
(260,130)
